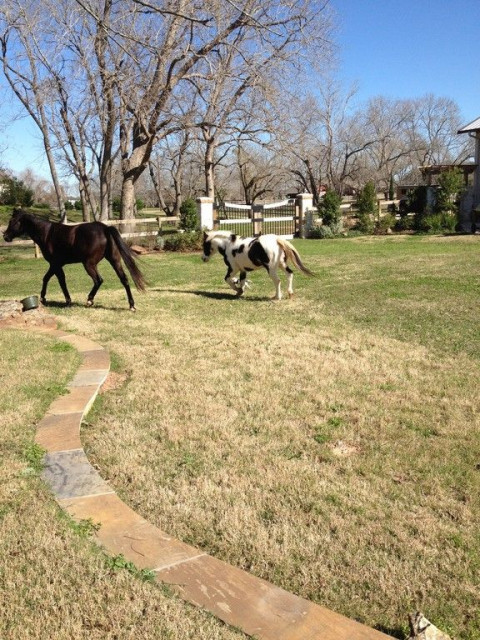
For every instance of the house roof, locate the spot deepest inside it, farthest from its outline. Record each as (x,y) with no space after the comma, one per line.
(473,126)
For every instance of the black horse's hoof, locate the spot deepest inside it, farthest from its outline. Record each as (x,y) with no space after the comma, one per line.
(132,309)
(43,301)
(89,303)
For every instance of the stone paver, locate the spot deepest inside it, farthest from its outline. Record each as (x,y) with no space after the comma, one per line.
(69,474)
(59,432)
(87,377)
(235,596)
(123,531)
(258,607)
(79,399)
(95,359)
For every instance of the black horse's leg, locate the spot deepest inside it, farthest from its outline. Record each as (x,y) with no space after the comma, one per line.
(46,279)
(91,269)
(63,284)
(117,267)
(58,271)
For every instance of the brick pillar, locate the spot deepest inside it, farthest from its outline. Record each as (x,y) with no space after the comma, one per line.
(304,203)
(205,212)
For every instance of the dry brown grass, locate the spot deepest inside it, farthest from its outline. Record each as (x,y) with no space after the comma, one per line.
(54,583)
(329,443)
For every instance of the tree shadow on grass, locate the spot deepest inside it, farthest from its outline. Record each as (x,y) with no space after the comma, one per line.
(213,295)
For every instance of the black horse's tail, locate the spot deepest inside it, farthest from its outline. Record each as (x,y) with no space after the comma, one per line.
(128,257)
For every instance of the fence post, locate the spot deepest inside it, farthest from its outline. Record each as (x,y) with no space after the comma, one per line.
(205,212)
(257,218)
(304,203)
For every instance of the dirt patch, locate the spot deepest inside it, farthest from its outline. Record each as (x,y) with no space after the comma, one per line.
(12,315)
(113,382)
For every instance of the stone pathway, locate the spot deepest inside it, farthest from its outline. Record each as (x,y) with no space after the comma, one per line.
(253,605)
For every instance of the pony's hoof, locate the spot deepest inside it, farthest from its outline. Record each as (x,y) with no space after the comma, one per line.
(290,295)
(68,303)
(240,293)
(43,301)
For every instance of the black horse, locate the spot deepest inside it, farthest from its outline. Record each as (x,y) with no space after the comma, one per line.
(87,243)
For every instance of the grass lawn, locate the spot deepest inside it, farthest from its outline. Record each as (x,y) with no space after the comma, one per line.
(328,443)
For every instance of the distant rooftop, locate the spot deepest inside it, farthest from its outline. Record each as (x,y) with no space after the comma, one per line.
(473,126)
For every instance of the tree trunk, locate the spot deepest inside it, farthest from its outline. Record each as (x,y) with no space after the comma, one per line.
(128,198)
(209,166)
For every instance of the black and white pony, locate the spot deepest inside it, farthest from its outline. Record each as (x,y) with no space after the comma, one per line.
(242,255)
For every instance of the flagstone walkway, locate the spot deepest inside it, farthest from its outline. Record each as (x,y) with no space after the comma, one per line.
(238,598)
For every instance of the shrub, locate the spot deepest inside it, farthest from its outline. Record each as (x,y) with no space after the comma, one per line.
(14,192)
(450,185)
(439,223)
(117,204)
(188,215)
(188,241)
(321,232)
(365,223)
(329,207)
(404,223)
(367,200)
(385,223)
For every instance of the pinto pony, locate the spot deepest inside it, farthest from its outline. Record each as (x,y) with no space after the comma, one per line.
(87,243)
(246,254)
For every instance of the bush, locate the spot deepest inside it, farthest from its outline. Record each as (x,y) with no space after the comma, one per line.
(404,223)
(384,224)
(321,232)
(329,207)
(367,200)
(439,223)
(188,215)
(188,241)
(13,192)
(365,223)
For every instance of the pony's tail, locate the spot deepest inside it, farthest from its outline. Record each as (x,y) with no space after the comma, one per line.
(129,258)
(293,255)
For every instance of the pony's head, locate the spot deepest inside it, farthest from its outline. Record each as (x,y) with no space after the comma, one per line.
(212,240)
(15,226)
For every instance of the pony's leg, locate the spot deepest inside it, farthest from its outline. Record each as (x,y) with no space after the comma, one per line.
(289,274)
(233,282)
(117,267)
(63,284)
(46,280)
(241,282)
(272,272)
(91,269)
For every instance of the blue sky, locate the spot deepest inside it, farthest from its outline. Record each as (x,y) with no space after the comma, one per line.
(408,48)
(394,48)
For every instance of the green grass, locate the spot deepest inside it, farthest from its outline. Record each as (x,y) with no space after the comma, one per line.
(327,443)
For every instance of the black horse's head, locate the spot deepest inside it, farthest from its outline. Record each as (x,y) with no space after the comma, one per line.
(15,226)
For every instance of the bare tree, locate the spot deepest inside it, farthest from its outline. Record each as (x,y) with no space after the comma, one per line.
(27,77)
